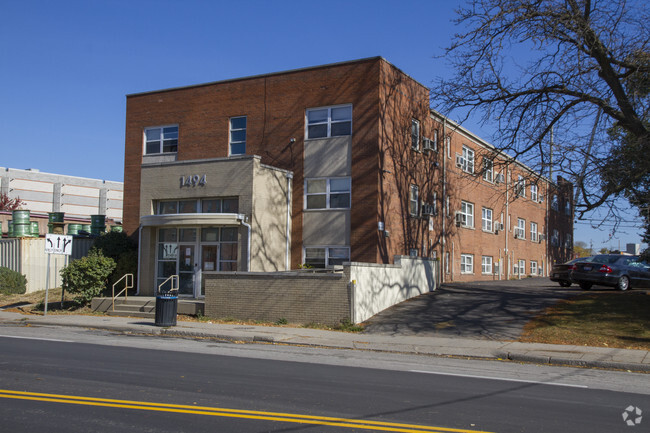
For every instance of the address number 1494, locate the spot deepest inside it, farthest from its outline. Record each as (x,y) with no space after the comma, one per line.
(192,181)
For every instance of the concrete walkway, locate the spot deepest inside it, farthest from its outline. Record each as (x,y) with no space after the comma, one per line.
(632,360)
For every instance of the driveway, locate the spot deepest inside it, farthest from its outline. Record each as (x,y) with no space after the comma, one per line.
(496,310)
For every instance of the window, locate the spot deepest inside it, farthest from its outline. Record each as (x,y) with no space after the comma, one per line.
(522,267)
(467,214)
(466,160)
(415,134)
(533,192)
(568,242)
(486,218)
(520,230)
(533,267)
(466,263)
(488,169)
(414,195)
(555,238)
(238,135)
(486,265)
(329,122)
(434,142)
(447,262)
(212,205)
(567,207)
(533,232)
(161,140)
(332,193)
(226,238)
(554,202)
(520,187)
(324,257)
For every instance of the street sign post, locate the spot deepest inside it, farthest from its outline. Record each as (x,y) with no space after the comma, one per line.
(55,244)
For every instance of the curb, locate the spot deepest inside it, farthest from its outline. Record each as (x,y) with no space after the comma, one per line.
(548,360)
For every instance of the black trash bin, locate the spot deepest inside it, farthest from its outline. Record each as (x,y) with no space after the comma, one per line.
(166,307)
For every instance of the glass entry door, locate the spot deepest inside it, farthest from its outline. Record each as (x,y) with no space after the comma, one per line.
(187,269)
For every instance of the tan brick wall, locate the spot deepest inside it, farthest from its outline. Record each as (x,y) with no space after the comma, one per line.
(298,298)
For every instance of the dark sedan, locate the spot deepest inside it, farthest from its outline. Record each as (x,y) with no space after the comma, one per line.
(615,270)
(560,271)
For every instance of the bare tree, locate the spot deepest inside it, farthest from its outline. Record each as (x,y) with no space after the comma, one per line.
(574,70)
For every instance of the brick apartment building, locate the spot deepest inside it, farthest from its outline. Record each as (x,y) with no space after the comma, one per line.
(324,165)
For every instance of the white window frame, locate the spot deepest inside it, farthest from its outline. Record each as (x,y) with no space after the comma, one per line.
(533,267)
(414,200)
(533,232)
(467,214)
(522,266)
(328,253)
(415,134)
(161,139)
(520,186)
(520,230)
(486,265)
(329,122)
(486,219)
(467,159)
(467,263)
(327,193)
(231,130)
(488,169)
(534,196)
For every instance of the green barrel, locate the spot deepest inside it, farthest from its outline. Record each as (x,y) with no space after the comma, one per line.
(22,230)
(20,217)
(74,229)
(10,229)
(98,224)
(86,228)
(35,230)
(56,217)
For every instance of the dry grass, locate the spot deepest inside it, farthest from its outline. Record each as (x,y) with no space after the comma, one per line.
(618,319)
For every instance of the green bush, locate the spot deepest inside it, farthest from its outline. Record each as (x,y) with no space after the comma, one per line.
(12,282)
(88,276)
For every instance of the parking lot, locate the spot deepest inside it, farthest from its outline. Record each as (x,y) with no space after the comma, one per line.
(485,310)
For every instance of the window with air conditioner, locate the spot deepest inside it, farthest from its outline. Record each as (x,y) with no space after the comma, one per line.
(414,197)
(466,214)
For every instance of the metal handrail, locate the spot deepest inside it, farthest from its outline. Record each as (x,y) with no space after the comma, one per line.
(174,278)
(128,285)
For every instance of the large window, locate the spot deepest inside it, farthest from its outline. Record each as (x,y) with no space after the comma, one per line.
(329,121)
(486,218)
(534,196)
(486,265)
(238,135)
(161,140)
(414,203)
(415,134)
(488,169)
(466,263)
(533,267)
(466,214)
(520,230)
(533,232)
(324,257)
(328,193)
(466,160)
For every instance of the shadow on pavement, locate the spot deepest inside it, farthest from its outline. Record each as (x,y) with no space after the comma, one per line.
(495,310)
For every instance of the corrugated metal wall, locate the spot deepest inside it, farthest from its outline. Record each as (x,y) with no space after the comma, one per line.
(27,256)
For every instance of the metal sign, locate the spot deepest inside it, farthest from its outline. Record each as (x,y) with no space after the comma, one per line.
(58,244)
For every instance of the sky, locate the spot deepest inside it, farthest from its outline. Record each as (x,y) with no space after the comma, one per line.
(66,66)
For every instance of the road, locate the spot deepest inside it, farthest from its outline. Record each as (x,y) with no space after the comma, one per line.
(72,380)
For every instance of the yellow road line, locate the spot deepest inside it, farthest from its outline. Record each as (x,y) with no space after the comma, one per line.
(224,412)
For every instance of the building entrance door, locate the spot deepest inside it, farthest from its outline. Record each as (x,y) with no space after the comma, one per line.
(187,269)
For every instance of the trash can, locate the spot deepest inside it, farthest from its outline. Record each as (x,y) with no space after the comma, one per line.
(166,307)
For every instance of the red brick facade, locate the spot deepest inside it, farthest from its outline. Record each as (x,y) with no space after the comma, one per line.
(383,162)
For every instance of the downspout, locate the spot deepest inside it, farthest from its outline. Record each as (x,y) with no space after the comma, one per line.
(443,202)
(288,228)
(137,290)
(507,218)
(248,243)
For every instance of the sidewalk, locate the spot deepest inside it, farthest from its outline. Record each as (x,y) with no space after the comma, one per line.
(596,357)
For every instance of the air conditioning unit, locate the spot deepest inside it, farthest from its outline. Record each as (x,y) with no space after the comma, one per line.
(499,178)
(459,219)
(459,161)
(428,209)
(516,235)
(500,226)
(496,231)
(541,198)
(427,144)
(542,237)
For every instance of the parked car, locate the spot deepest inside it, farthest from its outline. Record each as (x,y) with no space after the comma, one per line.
(560,271)
(615,270)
